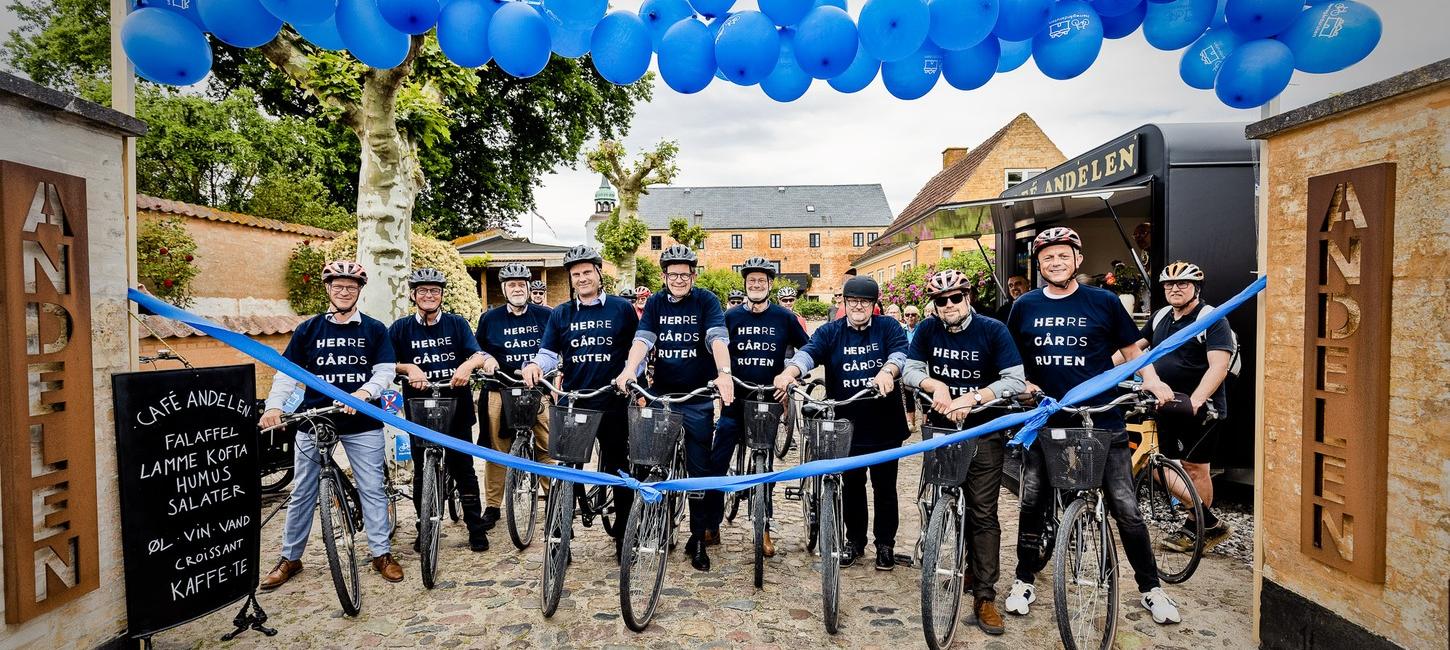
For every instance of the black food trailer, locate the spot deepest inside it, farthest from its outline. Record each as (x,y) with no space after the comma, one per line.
(1159,193)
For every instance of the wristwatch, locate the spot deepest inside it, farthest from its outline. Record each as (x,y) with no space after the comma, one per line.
(723,371)
(977,395)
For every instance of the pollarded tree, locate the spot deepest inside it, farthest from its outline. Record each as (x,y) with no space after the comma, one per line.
(692,236)
(624,230)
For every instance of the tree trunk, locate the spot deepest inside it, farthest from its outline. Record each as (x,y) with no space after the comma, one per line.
(389,179)
(628,209)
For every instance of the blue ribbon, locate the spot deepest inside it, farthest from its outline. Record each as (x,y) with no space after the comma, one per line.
(652,492)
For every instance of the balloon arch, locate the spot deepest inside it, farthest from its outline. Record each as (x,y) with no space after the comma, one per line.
(1244,50)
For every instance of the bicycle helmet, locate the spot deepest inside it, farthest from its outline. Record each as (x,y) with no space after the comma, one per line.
(736,294)
(947,281)
(1054,236)
(627,294)
(679,253)
(757,265)
(424,276)
(1181,271)
(641,291)
(580,254)
(861,287)
(785,292)
(515,271)
(344,269)
(538,285)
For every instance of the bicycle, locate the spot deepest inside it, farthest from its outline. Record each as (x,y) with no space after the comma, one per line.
(825,438)
(521,407)
(274,457)
(1155,480)
(762,419)
(792,422)
(656,452)
(436,413)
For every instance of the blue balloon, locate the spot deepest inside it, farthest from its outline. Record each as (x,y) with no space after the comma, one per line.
(166,47)
(1014,54)
(1071,42)
(1333,36)
(661,15)
(712,8)
(1219,21)
(960,24)
(576,14)
(913,76)
(1201,61)
(786,12)
(1020,20)
(787,82)
(519,39)
(859,74)
(569,43)
(894,29)
(973,67)
(1174,25)
(239,23)
(410,16)
(1261,18)
(747,47)
(839,4)
(184,7)
(324,35)
(825,42)
(714,27)
(1107,8)
(460,25)
(621,47)
(1255,73)
(1124,24)
(305,13)
(368,37)
(687,56)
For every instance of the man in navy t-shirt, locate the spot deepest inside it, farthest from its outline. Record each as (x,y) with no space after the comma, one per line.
(588,340)
(509,335)
(685,328)
(437,347)
(862,350)
(760,335)
(351,351)
(1067,333)
(962,358)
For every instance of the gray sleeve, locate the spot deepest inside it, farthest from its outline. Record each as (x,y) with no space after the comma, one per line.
(282,387)
(717,334)
(914,373)
(1013,381)
(383,374)
(547,360)
(646,337)
(802,362)
(897,359)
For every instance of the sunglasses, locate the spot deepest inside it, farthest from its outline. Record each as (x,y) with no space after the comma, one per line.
(956,298)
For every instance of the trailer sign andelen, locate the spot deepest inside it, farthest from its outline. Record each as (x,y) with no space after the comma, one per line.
(1105,165)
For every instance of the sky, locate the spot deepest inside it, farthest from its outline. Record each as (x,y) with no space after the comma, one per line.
(733,135)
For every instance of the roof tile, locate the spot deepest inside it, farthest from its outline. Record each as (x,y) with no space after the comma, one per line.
(167,206)
(772,206)
(249,325)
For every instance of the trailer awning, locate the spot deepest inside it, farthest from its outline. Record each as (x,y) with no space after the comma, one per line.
(976,219)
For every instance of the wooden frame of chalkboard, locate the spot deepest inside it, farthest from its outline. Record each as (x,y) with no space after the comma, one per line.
(186,447)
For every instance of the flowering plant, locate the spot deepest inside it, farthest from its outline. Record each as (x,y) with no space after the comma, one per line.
(165,260)
(910,286)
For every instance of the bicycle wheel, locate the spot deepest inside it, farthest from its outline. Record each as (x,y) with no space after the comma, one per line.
(1165,515)
(451,497)
(759,514)
(811,510)
(521,507)
(558,528)
(339,538)
(942,572)
(830,545)
(277,479)
(736,469)
(783,443)
(1085,579)
(642,564)
(430,519)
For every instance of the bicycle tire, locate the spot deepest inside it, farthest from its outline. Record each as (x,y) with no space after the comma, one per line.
(736,469)
(942,573)
(811,511)
(557,532)
(451,497)
(521,489)
(1162,517)
(830,545)
(644,558)
(337,526)
(277,479)
(784,442)
(1078,522)
(430,520)
(677,470)
(759,515)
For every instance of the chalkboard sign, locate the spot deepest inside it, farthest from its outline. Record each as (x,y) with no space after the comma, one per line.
(186,447)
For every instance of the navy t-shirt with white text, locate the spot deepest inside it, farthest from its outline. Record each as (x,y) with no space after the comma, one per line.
(759,342)
(852,358)
(512,339)
(592,341)
(682,358)
(437,349)
(341,354)
(966,360)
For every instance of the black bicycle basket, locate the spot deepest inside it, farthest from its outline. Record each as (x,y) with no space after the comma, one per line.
(653,434)
(829,438)
(762,423)
(1076,457)
(520,408)
(947,465)
(571,433)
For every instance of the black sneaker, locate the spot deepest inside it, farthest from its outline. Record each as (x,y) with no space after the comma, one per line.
(849,553)
(885,558)
(477,541)
(490,517)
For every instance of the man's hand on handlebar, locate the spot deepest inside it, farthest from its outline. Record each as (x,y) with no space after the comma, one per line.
(532,374)
(272,418)
(884,382)
(1160,390)
(941,399)
(364,396)
(490,366)
(416,378)
(460,377)
(783,382)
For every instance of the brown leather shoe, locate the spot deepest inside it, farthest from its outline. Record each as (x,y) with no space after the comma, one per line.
(712,538)
(281,573)
(767,546)
(386,565)
(987,617)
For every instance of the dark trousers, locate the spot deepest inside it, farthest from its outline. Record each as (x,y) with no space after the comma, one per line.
(883,488)
(613,438)
(983,528)
(706,454)
(1117,494)
(460,469)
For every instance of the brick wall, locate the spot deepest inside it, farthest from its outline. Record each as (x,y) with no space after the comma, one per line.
(205,351)
(795,253)
(1410,608)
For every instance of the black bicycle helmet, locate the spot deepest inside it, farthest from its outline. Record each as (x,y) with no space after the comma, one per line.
(861,286)
(580,254)
(679,253)
(538,285)
(757,265)
(515,271)
(427,276)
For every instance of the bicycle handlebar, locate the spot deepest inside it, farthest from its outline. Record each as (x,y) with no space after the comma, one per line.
(431,385)
(1006,399)
(1149,400)
(289,418)
(707,389)
(863,394)
(576,394)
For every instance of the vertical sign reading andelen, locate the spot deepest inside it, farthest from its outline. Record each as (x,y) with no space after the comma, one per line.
(186,447)
(1346,369)
(47,422)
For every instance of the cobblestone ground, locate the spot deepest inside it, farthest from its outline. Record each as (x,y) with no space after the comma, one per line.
(491,599)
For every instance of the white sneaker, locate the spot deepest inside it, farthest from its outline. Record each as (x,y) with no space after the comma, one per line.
(1163,609)
(1022,595)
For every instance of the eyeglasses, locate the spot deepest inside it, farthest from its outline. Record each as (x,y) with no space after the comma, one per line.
(858,302)
(537,293)
(342,288)
(428,291)
(678,276)
(913,315)
(1180,285)
(956,298)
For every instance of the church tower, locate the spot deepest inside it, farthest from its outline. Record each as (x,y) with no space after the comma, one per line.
(604,201)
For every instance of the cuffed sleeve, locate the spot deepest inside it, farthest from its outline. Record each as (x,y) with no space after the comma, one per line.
(717,334)
(897,359)
(282,387)
(547,360)
(914,373)
(383,374)
(646,337)
(802,362)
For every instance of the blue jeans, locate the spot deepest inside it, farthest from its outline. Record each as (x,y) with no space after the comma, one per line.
(365,454)
(706,454)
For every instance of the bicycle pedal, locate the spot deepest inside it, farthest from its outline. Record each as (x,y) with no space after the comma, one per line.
(793,493)
(694,494)
(903,559)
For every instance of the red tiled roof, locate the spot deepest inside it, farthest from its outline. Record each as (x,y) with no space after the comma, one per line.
(249,325)
(152,204)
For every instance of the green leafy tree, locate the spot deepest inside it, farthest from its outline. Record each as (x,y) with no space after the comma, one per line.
(721,281)
(647,273)
(692,236)
(297,197)
(631,181)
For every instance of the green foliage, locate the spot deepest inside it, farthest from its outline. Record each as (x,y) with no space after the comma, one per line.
(305,292)
(298,198)
(476,262)
(610,284)
(910,288)
(461,297)
(1123,279)
(620,237)
(812,309)
(721,281)
(691,236)
(60,43)
(656,167)
(647,273)
(165,256)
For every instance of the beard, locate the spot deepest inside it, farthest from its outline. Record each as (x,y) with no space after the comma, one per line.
(518,301)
